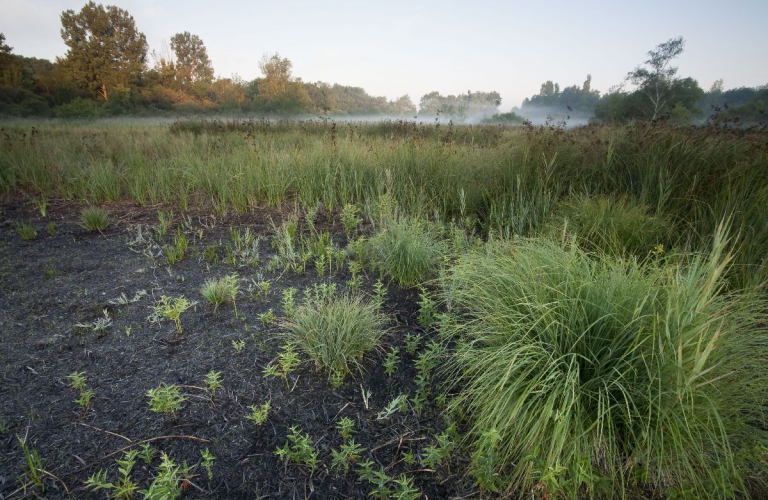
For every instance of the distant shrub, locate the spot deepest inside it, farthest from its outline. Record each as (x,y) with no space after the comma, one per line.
(406,251)
(20,102)
(79,108)
(618,226)
(335,331)
(510,118)
(585,377)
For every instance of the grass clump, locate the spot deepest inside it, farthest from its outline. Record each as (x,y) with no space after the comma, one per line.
(406,252)
(585,377)
(336,331)
(218,291)
(94,219)
(26,230)
(618,226)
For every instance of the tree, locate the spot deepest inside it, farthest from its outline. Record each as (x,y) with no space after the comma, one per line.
(105,48)
(277,75)
(192,62)
(656,77)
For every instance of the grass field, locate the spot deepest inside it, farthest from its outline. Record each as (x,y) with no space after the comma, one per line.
(392,310)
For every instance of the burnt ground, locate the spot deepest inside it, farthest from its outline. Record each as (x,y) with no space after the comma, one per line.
(50,284)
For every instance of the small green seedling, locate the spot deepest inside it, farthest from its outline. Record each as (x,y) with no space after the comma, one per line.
(346,427)
(85,398)
(238,345)
(259,414)
(26,230)
(171,308)
(77,380)
(287,361)
(213,382)
(267,318)
(207,462)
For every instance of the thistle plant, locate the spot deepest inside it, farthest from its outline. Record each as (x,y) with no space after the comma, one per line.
(165,399)
(298,450)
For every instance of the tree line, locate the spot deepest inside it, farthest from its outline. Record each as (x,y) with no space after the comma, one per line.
(109,70)
(652,91)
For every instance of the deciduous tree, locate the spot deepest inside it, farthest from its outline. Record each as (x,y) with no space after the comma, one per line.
(106,49)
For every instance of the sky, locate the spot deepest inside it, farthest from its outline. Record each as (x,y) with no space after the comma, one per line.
(395,47)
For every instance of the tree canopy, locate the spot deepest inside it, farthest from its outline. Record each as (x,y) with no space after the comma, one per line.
(106,50)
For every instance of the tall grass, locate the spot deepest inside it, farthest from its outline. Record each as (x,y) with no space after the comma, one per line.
(407,251)
(586,377)
(621,227)
(509,179)
(335,331)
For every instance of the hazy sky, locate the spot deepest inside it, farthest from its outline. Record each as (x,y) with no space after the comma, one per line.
(413,47)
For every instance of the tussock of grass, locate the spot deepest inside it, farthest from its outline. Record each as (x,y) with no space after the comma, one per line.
(618,226)
(589,377)
(218,291)
(94,219)
(406,251)
(336,332)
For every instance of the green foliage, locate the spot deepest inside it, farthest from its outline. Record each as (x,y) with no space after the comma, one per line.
(166,485)
(335,331)
(510,118)
(579,363)
(79,108)
(619,227)
(33,466)
(218,291)
(349,219)
(298,450)
(267,318)
(342,460)
(104,48)
(175,252)
(165,399)
(287,361)
(77,380)
(171,308)
(346,428)
(26,230)
(94,219)
(259,414)
(213,382)
(84,400)
(391,362)
(406,252)
(207,462)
